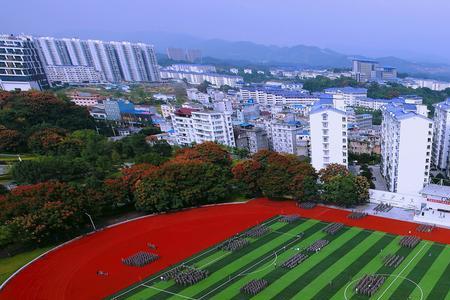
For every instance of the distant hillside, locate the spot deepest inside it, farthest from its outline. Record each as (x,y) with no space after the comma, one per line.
(299,55)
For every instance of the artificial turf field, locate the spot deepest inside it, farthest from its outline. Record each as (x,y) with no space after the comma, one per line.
(329,274)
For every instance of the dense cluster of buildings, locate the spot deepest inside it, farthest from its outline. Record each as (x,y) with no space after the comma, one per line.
(323,126)
(197,74)
(37,62)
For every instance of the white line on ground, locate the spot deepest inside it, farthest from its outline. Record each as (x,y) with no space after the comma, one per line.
(400,273)
(189,260)
(161,290)
(243,273)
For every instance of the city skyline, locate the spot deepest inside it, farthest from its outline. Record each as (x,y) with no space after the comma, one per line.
(326,25)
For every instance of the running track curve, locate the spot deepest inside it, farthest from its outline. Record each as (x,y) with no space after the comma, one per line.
(69,272)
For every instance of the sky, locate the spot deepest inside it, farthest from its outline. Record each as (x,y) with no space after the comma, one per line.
(411,29)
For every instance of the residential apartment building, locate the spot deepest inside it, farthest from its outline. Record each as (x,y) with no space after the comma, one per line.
(406,141)
(303,143)
(20,66)
(118,61)
(328,129)
(73,74)
(197,78)
(85,99)
(363,121)
(167,110)
(198,126)
(284,136)
(441,137)
(268,97)
(191,55)
(192,68)
(347,95)
(251,138)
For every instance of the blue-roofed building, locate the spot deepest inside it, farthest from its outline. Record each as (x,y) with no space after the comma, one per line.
(406,146)
(328,128)
(347,95)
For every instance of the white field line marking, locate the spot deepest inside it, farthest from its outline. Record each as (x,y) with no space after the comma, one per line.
(260,270)
(399,274)
(161,290)
(189,260)
(249,268)
(388,275)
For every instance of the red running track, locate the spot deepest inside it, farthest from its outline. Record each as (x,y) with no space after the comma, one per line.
(70,271)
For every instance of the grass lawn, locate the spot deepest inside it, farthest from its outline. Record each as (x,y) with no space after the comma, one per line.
(330,273)
(10,264)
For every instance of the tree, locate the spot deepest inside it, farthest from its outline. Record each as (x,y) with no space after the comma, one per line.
(362,186)
(179,184)
(282,175)
(45,212)
(206,152)
(46,140)
(202,87)
(246,174)
(332,170)
(340,190)
(50,168)
(305,189)
(10,140)
(3,190)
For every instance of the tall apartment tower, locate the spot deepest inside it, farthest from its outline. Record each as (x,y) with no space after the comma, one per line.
(20,66)
(441,138)
(118,61)
(328,129)
(406,140)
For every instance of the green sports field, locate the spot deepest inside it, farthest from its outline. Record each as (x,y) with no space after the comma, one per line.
(331,273)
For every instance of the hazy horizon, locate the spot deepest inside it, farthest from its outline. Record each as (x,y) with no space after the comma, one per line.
(414,30)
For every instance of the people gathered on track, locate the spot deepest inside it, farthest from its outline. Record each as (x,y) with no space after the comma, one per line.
(425,228)
(356,215)
(140,259)
(383,207)
(307,205)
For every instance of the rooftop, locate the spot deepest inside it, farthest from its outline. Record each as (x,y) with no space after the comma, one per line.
(436,190)
(346,90)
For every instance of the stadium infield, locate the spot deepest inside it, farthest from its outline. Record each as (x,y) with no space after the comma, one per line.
(69,272)
(331,273)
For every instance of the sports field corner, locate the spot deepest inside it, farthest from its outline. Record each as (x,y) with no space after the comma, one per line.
(190,236)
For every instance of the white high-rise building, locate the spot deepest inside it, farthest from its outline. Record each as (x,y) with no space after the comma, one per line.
(198,126)
(406,140)
(118,61)
(347,95)
(284,135)
(20,66)
(328,130)
(441,137)
(73,74)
